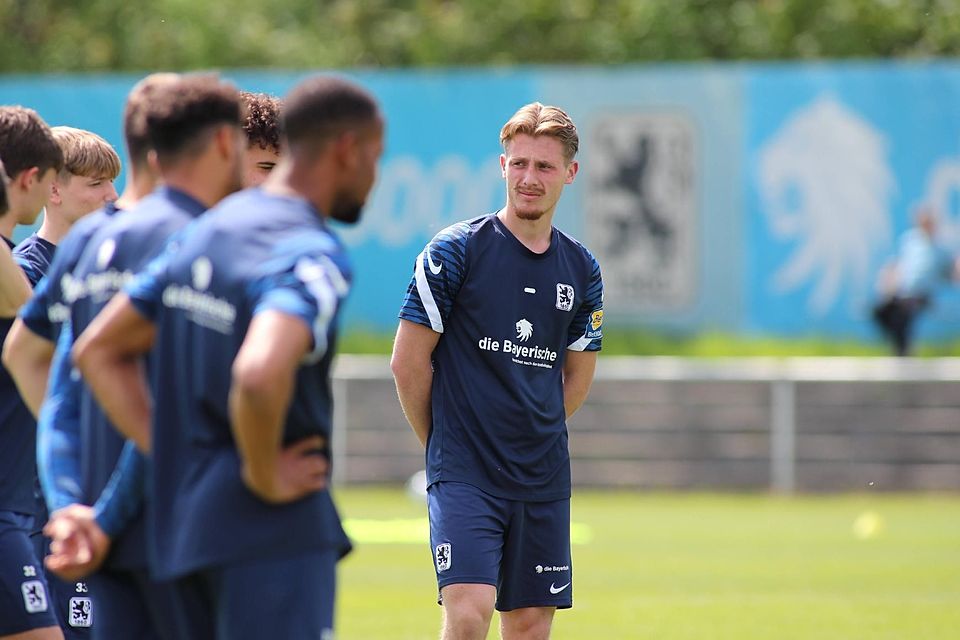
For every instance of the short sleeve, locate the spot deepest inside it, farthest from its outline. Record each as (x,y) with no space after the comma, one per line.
(39,313)
(586,330)
(310,287)
(146,288)
(437,276)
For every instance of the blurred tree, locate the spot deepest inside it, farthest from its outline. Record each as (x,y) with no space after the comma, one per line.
(108,35)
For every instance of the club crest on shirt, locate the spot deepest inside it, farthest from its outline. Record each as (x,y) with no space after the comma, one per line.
(444,557)
(202,272)
(34,596)
(81,613)
(105,253)
(564,297)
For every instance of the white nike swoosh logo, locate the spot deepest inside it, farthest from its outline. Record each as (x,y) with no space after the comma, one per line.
(555,590)
(434,268)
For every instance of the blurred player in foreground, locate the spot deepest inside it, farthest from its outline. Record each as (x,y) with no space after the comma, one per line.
(243,319)
(497,346)
(29,348)
(32,159)
(193,124)
(90,165)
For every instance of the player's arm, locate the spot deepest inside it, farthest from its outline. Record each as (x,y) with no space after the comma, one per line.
(110,354)
(58,431)
(14,286)
(28,356)
(263,382)
(412,368)
(577,377)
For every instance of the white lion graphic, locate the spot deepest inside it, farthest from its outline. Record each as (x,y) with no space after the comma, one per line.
(824,181)
(524,330)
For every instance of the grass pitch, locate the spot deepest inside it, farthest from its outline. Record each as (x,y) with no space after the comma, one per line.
(692,567)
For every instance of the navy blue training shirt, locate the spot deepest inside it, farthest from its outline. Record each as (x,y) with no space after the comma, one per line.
(18,460)
(45,312)
(254,252)
(508,316)
(34,256)
(114,253)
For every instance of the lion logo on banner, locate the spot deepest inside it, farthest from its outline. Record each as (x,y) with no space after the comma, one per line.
(825,184)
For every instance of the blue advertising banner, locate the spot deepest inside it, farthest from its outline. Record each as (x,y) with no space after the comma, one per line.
(757,199)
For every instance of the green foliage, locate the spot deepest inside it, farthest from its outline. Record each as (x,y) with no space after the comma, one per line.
(692,566)
(116,35)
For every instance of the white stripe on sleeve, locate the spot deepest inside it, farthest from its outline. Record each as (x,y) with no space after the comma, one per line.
(426,295)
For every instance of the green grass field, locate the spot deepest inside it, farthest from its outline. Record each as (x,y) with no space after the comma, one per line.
(692,567)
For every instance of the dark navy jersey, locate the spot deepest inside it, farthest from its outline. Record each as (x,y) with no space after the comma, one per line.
(255,252)
(508,316)
(45,311)
(18,466)
(34,256)
(116,251)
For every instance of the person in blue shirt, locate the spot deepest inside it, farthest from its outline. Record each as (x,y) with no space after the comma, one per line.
(242,317)
(496,348)
(921,265)
(262,128)
(85,184)
(29,347)
(193,124)
(32,158)
(28,350)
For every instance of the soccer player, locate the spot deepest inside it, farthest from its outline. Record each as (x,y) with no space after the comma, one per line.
(496,348)
(193,125)
(32,159)
(59,418)
(242,317)
(262,126)
(29,348)
(90,165)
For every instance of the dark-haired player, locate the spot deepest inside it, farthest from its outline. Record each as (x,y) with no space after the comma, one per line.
(242,317)
(262,126)
(193,125)
(32,159)
(496,347)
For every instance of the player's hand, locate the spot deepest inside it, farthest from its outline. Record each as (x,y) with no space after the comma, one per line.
(78,546)
(299,471)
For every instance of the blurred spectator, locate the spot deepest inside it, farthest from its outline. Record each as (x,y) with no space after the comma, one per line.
(908,282)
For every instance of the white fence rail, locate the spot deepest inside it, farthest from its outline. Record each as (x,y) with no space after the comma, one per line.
(809,424)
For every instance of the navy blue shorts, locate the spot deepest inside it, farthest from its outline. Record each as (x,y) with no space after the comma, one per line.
(72,602)
(25,599)
(286,598)
(522,548)
(130,605)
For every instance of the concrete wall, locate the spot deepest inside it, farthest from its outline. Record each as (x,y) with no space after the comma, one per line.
(664,423)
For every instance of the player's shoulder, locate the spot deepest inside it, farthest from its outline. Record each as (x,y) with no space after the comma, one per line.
(462,232)
(570,244)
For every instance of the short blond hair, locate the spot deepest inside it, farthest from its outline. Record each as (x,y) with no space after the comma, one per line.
(86,154)
(535,119)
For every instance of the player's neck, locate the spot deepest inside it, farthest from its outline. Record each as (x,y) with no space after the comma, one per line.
(199,184)
(533,234)
(54,226)
(7,223)
(292,181)
(140,184)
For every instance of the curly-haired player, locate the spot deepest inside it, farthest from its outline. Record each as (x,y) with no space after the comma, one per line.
(262,127)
